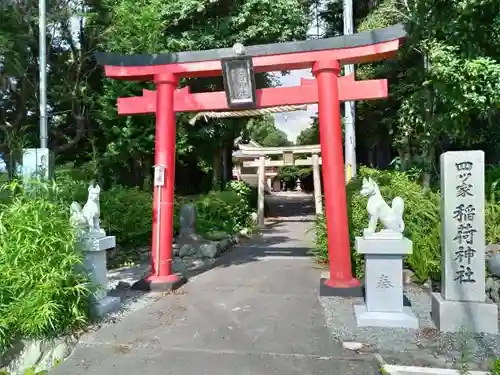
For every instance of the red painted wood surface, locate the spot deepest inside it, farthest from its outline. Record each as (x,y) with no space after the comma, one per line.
(328,90)
(291,61)
(306,93)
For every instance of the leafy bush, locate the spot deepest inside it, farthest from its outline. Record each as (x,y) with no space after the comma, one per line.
(492,177)
(422,219)
(73,186)
(245,191)
(421,216)
(290,174)
(240,188)
(127,214)
(41,291)
(221,211)
(492,213)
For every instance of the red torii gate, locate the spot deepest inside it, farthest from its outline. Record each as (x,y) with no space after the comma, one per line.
(324,56)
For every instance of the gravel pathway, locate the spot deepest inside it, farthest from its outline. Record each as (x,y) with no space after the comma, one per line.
(423,347)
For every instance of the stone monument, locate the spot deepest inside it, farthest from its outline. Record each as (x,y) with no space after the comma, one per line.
(187,219)
(94,242)
(462,301)
(384,251)
(298,185)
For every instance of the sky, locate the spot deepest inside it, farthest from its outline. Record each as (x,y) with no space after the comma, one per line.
(292,123)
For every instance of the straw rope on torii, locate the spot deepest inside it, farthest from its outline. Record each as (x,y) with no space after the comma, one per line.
(247,112)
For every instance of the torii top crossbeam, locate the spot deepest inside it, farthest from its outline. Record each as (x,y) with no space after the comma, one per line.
(258,151)
(362,47)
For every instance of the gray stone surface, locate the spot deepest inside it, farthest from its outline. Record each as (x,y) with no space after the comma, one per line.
(401,319)
(462,194)
(176,361)
(493,264)
(463,255)
(195,246)
(257,313)
(95,264)
(454,316)
(208,250)
(187,219)
(40,355)
(105,305)
(493,289)
(187,250)
(382,245)
(384,284)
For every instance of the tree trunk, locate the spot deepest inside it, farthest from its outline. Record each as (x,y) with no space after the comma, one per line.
(216,169)
(227,162)
(405,155)
(429,159)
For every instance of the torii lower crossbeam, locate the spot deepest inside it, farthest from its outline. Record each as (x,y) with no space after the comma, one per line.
(306,93)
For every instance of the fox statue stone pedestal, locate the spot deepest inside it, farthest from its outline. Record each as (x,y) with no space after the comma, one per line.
(384,251)
(95,263)
(94,242)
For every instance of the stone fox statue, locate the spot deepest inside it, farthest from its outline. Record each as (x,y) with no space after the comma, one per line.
(90,214)
(378,209)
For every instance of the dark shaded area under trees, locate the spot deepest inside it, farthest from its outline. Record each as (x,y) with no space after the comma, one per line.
(84,128)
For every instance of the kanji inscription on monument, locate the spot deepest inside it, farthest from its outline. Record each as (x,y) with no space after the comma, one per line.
(462,194)
(384,282)
(240,85)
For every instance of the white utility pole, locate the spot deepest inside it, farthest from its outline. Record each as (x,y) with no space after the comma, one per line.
(43,71)
(350,109)
(37,162)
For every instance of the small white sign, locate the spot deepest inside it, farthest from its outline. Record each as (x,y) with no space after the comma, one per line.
(159,175)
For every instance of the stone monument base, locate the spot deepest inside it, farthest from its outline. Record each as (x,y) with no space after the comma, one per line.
(456,316)
(104,306)
(404,319)
(95,246)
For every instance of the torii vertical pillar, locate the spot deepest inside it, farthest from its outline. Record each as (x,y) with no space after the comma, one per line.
(162,277)
(317,185)
(341,282)
(261,175)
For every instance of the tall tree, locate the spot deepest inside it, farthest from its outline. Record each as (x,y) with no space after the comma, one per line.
(264,131)
(83,123)
(154,26)
(445,79)
(310,135)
